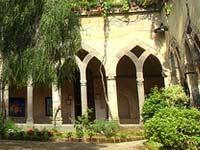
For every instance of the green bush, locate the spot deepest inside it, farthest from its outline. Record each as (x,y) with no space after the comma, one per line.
(69,134)
(106,128)
(175,129)
(10,130)
(161,98)
(83,124)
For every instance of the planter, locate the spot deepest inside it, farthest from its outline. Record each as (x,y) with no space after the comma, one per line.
(117,140)
(102,140)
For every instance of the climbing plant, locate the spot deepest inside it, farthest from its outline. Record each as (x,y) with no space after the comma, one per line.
(39,38)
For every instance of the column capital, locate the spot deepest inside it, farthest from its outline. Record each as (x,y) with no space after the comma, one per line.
(29,85)
(83,82)
(140,80)
(30,82)
(111,77)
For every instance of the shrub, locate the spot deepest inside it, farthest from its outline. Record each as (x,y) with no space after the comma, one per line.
(166,97)
(69,134)
(79,133)
(123,135)
(175,129)
(10,130)
(106,128)
(83,124)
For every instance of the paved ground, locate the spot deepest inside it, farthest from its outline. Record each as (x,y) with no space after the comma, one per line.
(29,145)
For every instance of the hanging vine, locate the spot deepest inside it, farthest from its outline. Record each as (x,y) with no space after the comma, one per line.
(39,39)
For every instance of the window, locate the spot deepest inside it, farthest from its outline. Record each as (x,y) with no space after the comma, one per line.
(17,106)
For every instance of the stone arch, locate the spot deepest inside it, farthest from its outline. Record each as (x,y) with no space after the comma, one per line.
(139,63)
(95,92)
(91,50)
(127,97)
(79,63)
(152,73)
(147,47)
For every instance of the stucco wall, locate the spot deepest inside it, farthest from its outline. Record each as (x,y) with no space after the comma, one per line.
(124,34)
(39,110)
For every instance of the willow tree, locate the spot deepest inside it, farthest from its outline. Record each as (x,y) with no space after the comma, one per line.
(39,39)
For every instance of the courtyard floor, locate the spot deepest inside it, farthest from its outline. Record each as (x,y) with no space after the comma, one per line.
(31,145)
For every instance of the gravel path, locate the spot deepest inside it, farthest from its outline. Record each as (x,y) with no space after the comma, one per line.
(31,145)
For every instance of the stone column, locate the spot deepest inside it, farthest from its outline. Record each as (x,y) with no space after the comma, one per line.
(192,81)
(166,74)
(56,104)
(112,98)
(29,119)
(84,105)
(5,101)
(141,94)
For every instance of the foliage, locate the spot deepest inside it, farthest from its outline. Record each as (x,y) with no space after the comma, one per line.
(83,123)
(166,97)
(175,96)
(39,39)
(175,129)
(168,8)
(106,128)
(123,135)
(69,134)
(7,127)
(31,134)
(84,126)
(150,145)
(9,130)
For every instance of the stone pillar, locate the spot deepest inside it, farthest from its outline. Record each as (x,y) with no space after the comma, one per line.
(56,103)
(29,119)
(112,98)
(193,88)
(192,80)
(167,78)
(83,84)
(141,94)
(5,101)
(191,74)
(84,105)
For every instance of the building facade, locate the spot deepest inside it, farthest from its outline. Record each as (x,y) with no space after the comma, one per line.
(136,60)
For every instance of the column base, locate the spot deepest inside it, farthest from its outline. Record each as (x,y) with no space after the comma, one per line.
(29,121)
(57,122)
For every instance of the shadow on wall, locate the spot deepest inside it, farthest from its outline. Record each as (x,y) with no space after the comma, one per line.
(159,38)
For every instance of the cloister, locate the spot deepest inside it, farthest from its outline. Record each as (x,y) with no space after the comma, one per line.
(132,74)
(136,60)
